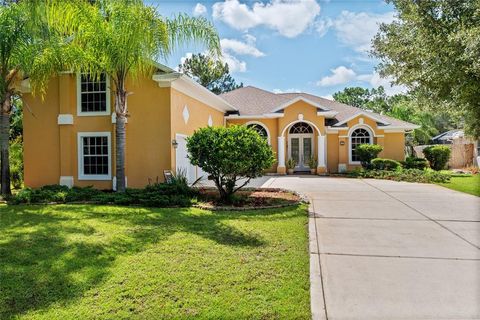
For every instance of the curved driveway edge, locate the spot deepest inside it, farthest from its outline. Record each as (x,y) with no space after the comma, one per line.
(390,250)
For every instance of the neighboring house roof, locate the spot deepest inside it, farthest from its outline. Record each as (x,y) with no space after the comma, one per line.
(449,135)
(252,101)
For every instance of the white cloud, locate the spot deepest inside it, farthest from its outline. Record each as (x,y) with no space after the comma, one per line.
(291,90)
(199,10)
(340,75)
(375,81)
(355,29)
(343,75)
(241,48)
(234,64)
(289,17)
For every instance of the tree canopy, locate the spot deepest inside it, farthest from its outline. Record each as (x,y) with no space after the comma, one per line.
(230,154)
(211,73)
(407,106)
(433,47)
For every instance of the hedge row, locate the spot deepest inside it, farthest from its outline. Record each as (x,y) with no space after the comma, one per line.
(408,175)
(157,195)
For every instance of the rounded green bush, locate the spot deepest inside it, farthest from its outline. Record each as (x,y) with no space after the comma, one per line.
(367,152)
(415,163)
(437,156)
(230,154)
(385,164)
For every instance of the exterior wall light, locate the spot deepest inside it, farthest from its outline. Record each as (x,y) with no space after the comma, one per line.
(174,144)
(342,143)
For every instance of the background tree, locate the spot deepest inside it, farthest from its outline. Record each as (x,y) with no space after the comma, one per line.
(374,99)
(28,48)
(123,38)
(230,155)
(211,73)
(434,48)
(407,107)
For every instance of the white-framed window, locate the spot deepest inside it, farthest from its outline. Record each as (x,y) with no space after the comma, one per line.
(94,156)
(93,95)
(260,128)
(357,137)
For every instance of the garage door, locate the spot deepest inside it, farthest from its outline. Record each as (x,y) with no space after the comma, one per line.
(182,162)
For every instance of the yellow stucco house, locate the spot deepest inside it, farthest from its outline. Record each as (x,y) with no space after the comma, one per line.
(69,134)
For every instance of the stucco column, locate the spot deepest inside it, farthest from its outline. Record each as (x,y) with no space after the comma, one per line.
(321,155)
(381,142)
(281,155)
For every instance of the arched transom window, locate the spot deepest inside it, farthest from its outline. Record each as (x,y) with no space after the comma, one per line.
(359,136)
(259,128)
(301,127)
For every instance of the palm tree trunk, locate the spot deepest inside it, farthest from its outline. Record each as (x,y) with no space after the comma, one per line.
(4,146)
(120,136)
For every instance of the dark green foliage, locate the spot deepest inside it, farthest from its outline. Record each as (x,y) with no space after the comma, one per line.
(157,195)
(368,99)
(433,48)
(230,154)
(16,162)
(210,73)
(437,156)
(407,107)
(385,164)
(408,175)
(367,152)
(415,163)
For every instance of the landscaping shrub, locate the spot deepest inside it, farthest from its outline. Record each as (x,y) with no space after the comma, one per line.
(385,164)
(230,154)
(437,156)
(178,193)
(367,152)
(16,163)
(408,175)
(415,163)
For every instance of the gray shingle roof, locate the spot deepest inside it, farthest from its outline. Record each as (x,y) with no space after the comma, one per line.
(254,101)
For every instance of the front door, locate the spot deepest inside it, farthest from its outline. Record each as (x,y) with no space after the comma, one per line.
(301,150)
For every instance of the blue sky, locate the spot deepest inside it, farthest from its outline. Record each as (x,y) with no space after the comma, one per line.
(312,46)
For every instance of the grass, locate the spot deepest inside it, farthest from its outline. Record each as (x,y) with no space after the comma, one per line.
(464,183)
(111,262)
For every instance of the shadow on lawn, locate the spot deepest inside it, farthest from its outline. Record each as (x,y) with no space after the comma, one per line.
(55,254)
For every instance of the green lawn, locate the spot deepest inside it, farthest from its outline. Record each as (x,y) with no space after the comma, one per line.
(468,184)
(92,262)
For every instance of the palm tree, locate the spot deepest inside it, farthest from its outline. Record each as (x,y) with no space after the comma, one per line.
(123,38)
(27,49)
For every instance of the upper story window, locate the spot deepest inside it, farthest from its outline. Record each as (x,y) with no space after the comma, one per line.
(359,136)
(93,96)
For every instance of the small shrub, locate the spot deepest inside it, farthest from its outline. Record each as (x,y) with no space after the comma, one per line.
(415,163)
(385,164)
(230,155)
(16,162)
(408,175)
(437,156)
(367,152)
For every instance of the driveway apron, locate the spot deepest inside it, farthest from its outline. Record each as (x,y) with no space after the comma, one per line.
(390,250)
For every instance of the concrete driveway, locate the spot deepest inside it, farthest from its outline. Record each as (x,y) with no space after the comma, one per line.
(390,250)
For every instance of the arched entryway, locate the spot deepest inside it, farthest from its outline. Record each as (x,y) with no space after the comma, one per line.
(300,140)
(300,145)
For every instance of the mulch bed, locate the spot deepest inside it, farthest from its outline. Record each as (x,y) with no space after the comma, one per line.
(249,199)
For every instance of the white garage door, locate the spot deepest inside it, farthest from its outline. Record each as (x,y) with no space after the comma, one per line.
(182,162)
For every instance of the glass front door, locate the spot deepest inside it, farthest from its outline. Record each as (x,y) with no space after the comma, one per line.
(301,149)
